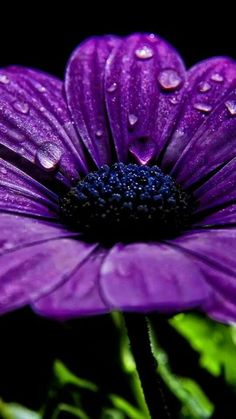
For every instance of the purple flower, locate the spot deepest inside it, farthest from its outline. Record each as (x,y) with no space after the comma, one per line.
(118,187)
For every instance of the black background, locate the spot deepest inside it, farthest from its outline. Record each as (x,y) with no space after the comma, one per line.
(41,36)
(37,37)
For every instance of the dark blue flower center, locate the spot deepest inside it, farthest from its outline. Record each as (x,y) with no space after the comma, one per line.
(127,202)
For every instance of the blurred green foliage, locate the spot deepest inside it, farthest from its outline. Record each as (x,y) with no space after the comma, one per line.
(194,402)
(215,342)
(69,396)
(15,411)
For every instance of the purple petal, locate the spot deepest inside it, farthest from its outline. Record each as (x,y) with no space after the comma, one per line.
(219,190)
(207,84)
(216,245)
(33,260)
(215,254)
(217,197)
(78,296)
(212,146)
(220,309)
(19,193)
(225,216)
(85,95)
(146,277)
(18,231)
(143,84)
(35,123)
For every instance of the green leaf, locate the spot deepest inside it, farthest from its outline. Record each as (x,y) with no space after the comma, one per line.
(66,377)
(16,411)
(112,414)
(195,400)
(125,407)
(73,412)
(195,404)
(215,342)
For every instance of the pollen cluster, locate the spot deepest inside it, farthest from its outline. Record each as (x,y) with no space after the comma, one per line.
(127,202)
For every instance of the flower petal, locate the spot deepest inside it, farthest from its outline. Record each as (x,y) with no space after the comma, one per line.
(219,190)
(146,277)
(19,193)
(35,123)
(144,77)
(18,232)
(215,254)
(220,309)
(213,145)
(216,245)
(78,296)
(217,198)
(221,217)
(85,95)
(208,82)
(33,260)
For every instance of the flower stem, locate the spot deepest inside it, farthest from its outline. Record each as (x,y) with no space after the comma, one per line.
(146,364)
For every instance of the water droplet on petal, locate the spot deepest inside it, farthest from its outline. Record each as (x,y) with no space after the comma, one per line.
(3,170)
(204,86)
(152,37)
(21,151)
(174,100)
(169,79)
(231,106)
(40,88)
(99,133)
(143,149)
(8,245)
(48,156)
(203,107)
(42,109)
(217,77)
(144,52)
(112,88)
(4,79)
(133,119)
(21,107)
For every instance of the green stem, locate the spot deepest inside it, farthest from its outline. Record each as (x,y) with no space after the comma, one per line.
(146,364)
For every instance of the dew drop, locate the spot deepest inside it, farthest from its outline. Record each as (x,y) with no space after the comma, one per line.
(3,170)
(204,86)
(169,79)
(143,149)
(112,88)
(8,245)
(99,133)
(144,52)
(133,119)
(21,150)
(174,100)
(231,106)
(203,107)
(40,88)
(217,77)
(21,107)
(4,79)
(152,37)
(48,156)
